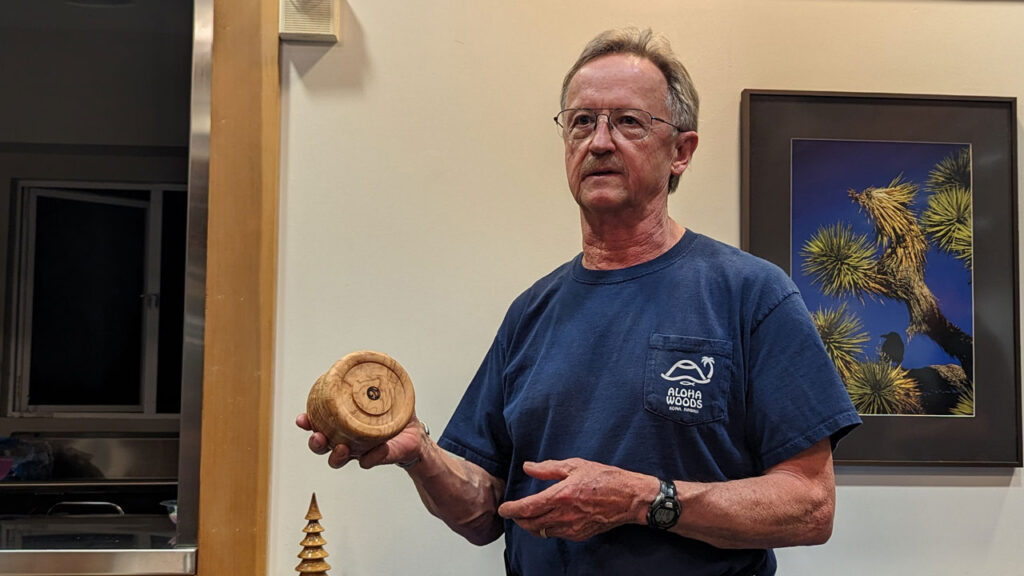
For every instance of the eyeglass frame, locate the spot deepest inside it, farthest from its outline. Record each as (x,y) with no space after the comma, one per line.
(608,119)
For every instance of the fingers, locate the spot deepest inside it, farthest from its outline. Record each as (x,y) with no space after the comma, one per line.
(540,503)
(531,506)
(509,510)
(541,527)
(374,457)
(340,456)
(549,469)
(318,443)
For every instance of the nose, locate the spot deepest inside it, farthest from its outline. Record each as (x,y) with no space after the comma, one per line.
(601,139)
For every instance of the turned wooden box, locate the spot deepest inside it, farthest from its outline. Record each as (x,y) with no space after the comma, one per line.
(361,401)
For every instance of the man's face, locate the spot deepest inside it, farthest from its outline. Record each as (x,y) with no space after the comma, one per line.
(606,172)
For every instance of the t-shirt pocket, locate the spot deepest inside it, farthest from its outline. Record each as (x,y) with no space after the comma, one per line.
(687,379)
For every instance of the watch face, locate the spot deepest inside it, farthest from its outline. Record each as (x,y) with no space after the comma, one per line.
(665,515)
(664,511)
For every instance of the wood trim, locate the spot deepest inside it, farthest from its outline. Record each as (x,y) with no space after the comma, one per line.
(240,289)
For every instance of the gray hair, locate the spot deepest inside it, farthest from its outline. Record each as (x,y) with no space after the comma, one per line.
(682,100)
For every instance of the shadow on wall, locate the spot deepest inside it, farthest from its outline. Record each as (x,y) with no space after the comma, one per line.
(346,63)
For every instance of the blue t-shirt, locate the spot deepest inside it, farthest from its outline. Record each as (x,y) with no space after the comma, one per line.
(700,365)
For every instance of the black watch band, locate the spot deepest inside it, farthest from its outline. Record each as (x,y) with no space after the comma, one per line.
(664,511)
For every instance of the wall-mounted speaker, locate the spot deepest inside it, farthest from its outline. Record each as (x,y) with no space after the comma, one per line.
(310,20)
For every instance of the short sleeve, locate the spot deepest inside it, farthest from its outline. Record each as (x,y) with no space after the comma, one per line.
(477,430)
(795,396)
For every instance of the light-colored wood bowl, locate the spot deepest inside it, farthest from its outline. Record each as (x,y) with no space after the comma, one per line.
(364,399)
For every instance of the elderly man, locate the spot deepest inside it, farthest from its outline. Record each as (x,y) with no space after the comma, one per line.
(661,404)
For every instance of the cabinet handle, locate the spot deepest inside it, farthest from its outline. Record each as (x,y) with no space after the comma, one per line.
(98,505)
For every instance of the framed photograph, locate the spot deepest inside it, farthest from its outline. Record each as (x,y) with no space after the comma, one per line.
(896,216)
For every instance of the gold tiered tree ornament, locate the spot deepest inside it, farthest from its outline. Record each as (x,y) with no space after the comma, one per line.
(313,552)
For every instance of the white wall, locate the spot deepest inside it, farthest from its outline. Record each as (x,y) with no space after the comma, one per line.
(423,188)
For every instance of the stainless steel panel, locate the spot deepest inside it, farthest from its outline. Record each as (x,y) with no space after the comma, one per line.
(102,529)
(195,274)
(98,562)
(106,458)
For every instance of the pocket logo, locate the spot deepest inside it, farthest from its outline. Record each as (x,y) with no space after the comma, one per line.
(688,373)
(684,373)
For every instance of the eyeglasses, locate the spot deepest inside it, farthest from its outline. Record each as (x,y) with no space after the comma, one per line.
(630,123)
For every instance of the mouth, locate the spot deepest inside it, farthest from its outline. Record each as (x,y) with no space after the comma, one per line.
(600,167)
(592,173)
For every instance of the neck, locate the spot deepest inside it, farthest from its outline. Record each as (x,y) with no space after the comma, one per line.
(614,245)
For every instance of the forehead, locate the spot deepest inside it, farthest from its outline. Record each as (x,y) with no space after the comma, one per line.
(618,81)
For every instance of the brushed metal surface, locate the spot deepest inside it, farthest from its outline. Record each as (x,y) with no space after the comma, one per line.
(178,561)
(195,274)
(105,458)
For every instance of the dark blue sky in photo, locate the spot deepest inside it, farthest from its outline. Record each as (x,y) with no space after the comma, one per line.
(823,172)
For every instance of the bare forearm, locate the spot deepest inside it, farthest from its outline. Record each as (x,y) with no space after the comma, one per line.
(748,514)
(791,505)
(460,493)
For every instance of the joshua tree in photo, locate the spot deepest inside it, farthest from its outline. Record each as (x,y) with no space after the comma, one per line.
(948,219)
(879,387)
(844,264)
(890,265)
(965,403)
(843,335)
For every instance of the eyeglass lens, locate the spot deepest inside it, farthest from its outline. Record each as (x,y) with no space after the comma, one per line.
(580,123)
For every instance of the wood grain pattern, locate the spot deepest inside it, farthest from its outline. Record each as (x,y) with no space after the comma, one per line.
(240,290)
(364,399)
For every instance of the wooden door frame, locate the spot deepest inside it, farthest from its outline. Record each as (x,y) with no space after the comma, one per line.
(241,283)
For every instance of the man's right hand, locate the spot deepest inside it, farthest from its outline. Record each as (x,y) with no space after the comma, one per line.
(404,449)
(457,491)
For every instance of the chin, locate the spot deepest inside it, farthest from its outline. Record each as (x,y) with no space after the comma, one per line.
(602,199)
(604,207)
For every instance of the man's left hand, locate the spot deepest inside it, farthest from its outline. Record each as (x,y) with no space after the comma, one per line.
(589,498)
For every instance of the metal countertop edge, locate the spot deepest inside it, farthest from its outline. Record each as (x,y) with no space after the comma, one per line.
(174,562)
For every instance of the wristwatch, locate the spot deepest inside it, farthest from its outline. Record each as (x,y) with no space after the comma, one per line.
(664,511)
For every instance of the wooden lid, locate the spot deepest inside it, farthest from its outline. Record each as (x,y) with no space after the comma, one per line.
(362,401)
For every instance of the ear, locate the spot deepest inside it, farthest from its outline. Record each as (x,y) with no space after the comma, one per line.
(685,144)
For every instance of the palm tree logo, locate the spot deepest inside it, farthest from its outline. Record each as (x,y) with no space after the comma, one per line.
(684,366)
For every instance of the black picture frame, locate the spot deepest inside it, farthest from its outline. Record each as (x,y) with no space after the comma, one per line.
(772,119)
